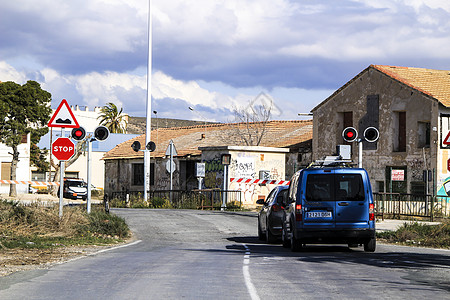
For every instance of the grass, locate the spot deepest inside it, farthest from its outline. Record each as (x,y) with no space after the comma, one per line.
(36,226)
(415,234)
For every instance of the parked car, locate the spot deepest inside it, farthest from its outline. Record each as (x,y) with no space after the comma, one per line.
(330,205)
(74,188)
(271,215)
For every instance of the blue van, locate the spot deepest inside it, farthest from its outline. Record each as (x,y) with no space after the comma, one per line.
(329,206)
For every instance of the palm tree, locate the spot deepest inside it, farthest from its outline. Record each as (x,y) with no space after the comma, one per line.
(112,118)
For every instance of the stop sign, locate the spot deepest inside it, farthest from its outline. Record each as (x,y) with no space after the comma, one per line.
(63,148)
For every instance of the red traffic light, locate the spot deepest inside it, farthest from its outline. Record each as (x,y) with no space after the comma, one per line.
(350,134)
(78,133)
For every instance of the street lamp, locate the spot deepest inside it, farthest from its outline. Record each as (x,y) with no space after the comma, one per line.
(204,119)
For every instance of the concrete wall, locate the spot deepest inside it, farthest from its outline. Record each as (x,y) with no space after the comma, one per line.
(393,97)
(246,162)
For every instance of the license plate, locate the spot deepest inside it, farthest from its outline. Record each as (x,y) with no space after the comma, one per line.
(319,214)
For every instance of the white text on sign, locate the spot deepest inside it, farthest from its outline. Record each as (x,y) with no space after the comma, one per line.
(62,149)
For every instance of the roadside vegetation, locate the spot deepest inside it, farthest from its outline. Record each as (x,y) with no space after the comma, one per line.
(415,234)
(39,227)
(185,202)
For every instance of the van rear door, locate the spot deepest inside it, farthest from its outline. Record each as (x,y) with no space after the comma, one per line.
(319,204)
(352,203)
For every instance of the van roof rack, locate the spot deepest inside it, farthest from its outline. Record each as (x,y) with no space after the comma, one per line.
(332,161)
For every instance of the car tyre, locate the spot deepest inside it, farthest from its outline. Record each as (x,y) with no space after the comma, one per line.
(270,238)
(296,244)
(285,238)
(261,235)
(371,245)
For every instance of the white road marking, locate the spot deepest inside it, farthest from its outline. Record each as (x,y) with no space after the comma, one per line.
(98,252)
(248,281)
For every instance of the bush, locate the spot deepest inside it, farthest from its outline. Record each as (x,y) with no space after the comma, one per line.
(105,224)
(158,202)
(420,235)
(37,226)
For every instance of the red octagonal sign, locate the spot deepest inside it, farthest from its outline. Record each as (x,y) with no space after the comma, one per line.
(63,148)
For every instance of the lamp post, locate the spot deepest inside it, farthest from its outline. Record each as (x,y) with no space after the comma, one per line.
(204,119)
(149,105)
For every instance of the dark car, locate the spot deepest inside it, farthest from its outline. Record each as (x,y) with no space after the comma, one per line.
(271,215)
(330,206)
(74,188)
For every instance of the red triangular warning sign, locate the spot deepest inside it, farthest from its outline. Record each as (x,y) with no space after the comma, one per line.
(63,117)
(447,139)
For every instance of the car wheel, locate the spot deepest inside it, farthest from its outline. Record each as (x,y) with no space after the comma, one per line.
(371,245)
(261,234)
(285,238)
(296,244)
(270,238)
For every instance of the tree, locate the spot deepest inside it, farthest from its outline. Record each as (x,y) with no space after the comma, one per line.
(252,122)
(112,118)
(25,109)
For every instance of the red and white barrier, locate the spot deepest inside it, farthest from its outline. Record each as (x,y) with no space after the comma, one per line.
(259,181)
(34,183)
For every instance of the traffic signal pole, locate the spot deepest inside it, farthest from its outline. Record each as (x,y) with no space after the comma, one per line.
(360,152)
(61,181)
(89,173)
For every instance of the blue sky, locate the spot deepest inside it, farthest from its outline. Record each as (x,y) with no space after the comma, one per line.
(214,55)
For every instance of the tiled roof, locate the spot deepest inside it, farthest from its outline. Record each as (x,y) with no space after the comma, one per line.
(188,139)
(434,83)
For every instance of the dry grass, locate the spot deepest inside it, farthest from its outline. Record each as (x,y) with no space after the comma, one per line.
(35,219)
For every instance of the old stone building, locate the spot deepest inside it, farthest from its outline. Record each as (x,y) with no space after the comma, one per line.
(411,109)
(124,167)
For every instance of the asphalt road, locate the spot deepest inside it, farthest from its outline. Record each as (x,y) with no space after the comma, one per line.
(216,255)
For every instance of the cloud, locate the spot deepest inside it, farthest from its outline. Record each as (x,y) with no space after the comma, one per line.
(9,73)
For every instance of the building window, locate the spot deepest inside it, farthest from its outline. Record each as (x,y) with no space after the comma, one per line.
(24,139)
(400,131)
(423,135)
(6,171)
(138,174)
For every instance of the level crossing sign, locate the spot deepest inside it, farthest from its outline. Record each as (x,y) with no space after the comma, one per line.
(63,117)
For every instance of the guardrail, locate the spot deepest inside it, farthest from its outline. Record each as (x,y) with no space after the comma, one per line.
(396,205)
(195,199)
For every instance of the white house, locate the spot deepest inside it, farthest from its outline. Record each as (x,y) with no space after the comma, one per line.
(23,167)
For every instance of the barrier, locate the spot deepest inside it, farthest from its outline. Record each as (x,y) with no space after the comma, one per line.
(259,181)
(34,183)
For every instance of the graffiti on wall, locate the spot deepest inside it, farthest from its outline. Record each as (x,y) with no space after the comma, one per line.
(163,182)
(243,167)
(250,192)
(214,173)
(445,188)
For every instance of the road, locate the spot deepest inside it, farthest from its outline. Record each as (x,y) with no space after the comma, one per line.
(216,255)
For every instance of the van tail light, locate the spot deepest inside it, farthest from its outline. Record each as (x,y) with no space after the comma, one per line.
(298,213)
(371,212)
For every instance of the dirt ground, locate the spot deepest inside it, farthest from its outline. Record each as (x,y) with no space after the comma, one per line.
(14,260)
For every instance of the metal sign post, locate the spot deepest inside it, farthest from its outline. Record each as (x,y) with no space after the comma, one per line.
(200,169)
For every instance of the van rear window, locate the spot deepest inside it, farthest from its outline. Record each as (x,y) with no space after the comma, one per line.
(334,187)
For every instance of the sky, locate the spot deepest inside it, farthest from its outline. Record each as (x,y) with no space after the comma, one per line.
(214,56)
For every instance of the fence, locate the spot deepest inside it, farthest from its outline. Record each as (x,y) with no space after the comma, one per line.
(396,205)
(198,199)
